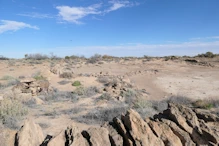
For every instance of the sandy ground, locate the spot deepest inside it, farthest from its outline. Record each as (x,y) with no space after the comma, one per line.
(160,79)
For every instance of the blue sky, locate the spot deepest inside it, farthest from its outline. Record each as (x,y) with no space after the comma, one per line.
(113,27)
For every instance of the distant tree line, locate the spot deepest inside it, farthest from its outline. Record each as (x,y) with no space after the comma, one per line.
(3,58)
(207,55)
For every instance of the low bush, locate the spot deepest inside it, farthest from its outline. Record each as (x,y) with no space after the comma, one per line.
(105,96)
(36,56)
(30,103)
(179,100)
(130,96)
(101,115)
(207,55)
(57,96)
(76,83)
(11,111)
(107,57)
(103,79)
(94,59)
(37,76)
(10,82)
(204,104)
(67,75)
(86,92)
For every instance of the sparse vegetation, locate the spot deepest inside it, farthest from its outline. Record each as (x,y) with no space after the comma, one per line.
(11,111)
(105,96)
(7,78)
(10,81)
(37,76)
(130,96)
(30,103)
(101,115)
(98,93)
(57,96)
(86,92)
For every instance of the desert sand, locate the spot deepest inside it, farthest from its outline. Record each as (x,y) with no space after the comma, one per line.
(154,79)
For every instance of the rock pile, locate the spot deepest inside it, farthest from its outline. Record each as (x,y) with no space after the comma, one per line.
(30,85)
(177,126)
(59,69)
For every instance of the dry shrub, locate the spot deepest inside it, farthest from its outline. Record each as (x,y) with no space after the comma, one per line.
(11,111)
(103,79)
(94,59)
(86,92)
(67,75)
(36,56)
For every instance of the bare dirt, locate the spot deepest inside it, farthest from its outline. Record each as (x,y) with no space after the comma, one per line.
(159,79)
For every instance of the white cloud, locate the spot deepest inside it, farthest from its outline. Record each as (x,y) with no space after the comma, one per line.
(75,14)
(118,4)
(7,25)
(36,15)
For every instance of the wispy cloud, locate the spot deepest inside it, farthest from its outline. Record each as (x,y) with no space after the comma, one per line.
(118,4)
(8,25)
(36,15)
(75,14)
(205,38)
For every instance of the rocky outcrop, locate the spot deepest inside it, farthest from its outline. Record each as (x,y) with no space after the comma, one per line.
(59,69)
(30,85)
(30,134)
(70,137)
(177,126)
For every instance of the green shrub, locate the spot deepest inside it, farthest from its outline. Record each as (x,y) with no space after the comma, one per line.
(67,57)
(203,104)
(76,83)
